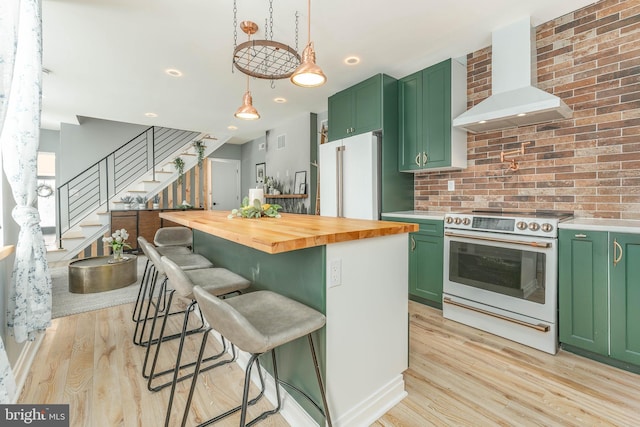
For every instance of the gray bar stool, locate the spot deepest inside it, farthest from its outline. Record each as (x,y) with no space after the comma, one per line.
(189,261)
(149,271)
(173,236)
(257,322)
(214,281)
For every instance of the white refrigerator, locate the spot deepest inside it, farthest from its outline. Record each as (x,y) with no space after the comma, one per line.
(350,177)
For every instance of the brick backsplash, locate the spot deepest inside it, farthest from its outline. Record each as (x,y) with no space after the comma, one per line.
(589,164)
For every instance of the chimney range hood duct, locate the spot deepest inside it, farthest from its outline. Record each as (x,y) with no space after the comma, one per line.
(515,101)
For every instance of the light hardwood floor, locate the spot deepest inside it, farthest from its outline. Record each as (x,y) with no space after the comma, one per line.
(458,376)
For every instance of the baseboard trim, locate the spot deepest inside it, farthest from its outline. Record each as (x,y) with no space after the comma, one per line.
(24,362)
(376,405)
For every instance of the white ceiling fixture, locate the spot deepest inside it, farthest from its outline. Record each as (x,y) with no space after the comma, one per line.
(173,72)
(352,60)
(515,100)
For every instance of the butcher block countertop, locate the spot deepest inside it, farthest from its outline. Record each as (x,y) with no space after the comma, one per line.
(290,232)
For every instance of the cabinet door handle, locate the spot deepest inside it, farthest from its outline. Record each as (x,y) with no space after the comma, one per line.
(581,236)
(616,259)
(413,244)
(424,158)
(418,160)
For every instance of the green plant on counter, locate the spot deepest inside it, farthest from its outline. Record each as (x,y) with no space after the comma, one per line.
(179,164)
(255,210)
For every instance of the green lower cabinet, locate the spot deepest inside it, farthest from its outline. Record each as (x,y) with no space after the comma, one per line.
(625,297)
(425,267)
(599,295)
(426,248)
(582,290)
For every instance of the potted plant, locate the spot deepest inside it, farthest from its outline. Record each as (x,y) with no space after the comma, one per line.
(126,200)
(199,146)
(142,202)
(179,165)
(156,201)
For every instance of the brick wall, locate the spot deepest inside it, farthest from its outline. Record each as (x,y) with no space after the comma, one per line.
(589,164)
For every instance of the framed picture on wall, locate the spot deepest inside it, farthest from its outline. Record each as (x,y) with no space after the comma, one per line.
(300,183)
(261,173)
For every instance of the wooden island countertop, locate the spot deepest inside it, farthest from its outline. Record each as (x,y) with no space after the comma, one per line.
(289,232)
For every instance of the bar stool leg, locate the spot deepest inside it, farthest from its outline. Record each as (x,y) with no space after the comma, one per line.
(320,383)
(158,342)
(140,292)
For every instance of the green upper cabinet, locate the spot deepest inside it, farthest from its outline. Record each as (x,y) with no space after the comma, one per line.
(372,106)
(428,101)
(625,297)
(357,109)
(582,290)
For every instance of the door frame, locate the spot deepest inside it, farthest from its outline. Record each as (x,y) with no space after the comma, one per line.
(213,160)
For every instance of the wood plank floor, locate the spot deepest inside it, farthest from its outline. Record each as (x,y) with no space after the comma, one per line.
(457,376)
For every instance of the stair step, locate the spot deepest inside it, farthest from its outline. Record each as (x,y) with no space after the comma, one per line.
(163,171)
(151,182)
(137,191)
(188,154)
(90,224)
(73,235)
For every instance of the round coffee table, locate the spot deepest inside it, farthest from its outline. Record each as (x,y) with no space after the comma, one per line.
(98,274)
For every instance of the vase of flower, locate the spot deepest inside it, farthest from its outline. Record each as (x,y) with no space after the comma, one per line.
(117,254)
(117,242)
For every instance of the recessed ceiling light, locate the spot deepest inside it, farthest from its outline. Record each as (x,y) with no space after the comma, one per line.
(352,60)
(280,100)
(482,121)
(232,127)
(151,114)
(522,114)
(173,72)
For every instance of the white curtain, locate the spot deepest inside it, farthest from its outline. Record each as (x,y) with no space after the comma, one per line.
(29,305)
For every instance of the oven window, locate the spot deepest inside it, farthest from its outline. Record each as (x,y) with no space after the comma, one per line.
(514,272)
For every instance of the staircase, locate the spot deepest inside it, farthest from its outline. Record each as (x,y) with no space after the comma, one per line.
(141,167)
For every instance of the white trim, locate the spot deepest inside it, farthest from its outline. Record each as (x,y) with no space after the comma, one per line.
(24,362)
(375,406)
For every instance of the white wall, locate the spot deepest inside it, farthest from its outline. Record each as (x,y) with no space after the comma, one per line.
(83,145)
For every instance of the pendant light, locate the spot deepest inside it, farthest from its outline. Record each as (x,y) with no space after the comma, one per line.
(308,74)
(247,111)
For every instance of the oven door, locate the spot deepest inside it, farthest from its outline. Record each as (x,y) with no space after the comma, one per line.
(517,274)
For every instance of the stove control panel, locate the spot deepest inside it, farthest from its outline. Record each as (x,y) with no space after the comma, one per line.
(529,226)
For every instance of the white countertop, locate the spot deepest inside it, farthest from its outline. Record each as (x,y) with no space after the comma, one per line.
(600,224)
(416,215)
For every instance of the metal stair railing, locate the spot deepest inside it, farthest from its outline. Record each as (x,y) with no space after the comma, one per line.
(97,184)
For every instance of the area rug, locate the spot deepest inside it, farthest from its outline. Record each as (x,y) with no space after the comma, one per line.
(65,303)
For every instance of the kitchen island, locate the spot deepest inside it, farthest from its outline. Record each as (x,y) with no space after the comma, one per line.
(353,271)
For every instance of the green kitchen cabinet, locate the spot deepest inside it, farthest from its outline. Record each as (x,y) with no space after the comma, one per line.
(357,109)
(426,248)
(599,295)
(624,279)
(428,101)
(582,290)
(372,105)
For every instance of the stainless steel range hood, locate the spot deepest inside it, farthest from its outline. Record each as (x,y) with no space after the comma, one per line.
(515,101)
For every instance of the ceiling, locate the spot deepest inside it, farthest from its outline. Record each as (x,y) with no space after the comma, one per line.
(107,58)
